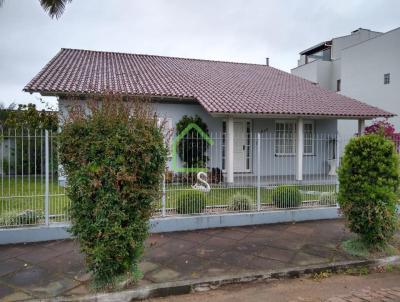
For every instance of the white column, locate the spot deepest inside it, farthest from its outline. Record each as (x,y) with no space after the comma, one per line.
(229,150)
(299,149)
(361,126)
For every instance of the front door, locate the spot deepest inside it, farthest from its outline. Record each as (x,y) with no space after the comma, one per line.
(241,142)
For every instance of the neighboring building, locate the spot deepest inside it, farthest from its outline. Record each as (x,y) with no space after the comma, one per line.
(235,100)
(364,65)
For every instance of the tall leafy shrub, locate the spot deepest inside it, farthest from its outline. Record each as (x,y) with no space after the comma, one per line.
(114,157)
(369,179)
(193,147)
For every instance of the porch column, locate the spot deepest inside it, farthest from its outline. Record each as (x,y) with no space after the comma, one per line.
(361,126)
(229,150)
(299,149)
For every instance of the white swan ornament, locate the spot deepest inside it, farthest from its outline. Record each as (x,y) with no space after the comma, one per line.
(202,184)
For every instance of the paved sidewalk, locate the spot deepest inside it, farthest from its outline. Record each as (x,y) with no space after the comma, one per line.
(57,268)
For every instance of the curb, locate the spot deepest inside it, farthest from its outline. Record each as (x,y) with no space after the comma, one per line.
(188,286)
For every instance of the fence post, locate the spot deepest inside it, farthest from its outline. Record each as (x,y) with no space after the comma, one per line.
(258,171)
(163,197)
(46,162)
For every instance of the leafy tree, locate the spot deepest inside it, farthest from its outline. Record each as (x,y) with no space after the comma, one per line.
(193,147)
(24,129)
(369,180)
(55,8)
(114,159)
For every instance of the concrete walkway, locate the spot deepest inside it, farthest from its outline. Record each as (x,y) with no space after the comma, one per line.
(55,268)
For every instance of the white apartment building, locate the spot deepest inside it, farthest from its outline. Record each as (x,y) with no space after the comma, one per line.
(364,65)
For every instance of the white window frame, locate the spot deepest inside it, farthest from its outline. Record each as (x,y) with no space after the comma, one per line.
(294,123)
(312,123)
(285,122)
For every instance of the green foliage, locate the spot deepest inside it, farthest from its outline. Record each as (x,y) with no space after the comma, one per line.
(114,159)
(286,197)
(328,198)
(26,217)
(23,132)
(192,148)
(191,202)
(356,247)
(369,180)
(240,202)
(28,117)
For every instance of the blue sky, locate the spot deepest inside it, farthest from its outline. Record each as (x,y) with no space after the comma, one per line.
(234,30)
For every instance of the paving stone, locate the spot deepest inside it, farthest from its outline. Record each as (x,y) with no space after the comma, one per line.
(301,229)
(231,234)
(10,265)
(71,263)
(5,291)
(304,259)
(156,240)
(39,281)
(275,253)
(194,236)
(163,275)
(11,251)
(147,266)
(188,266)
(318,250)
(16,296)
(63,246)
(38,254)
(79,290)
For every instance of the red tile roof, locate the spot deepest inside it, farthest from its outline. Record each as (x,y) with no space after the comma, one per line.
(220,87)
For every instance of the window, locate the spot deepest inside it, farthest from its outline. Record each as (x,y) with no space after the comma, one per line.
(285,133)
(338,82)
(386,78)
(309,138)
(285,137)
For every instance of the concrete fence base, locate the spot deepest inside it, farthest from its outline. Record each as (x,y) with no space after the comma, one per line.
(179,223)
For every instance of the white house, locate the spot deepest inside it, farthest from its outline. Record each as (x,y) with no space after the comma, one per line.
(364,65)
(235,100)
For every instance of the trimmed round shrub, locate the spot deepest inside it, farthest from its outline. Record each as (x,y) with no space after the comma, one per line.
(286,197)
(114,158)
(240,202)
(191,202)
(328,198)
(369,180)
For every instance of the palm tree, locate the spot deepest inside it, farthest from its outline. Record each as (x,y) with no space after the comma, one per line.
(54,8)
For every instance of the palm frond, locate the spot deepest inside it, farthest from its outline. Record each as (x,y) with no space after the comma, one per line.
(54,8)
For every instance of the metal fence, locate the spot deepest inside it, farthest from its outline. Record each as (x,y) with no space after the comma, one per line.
(263,163)
(33,189)
(30,190)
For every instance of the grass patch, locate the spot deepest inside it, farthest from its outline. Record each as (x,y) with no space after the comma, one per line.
(356,247)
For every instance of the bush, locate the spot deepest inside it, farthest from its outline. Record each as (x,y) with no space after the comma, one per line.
(369,179)
(240,202)
(191,202)
(192,149)
(328,198)
(286,197)
(114,158)
(26,217)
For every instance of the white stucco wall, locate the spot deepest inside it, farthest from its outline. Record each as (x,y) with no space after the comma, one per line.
(270,164)
(363,68)
(360,61)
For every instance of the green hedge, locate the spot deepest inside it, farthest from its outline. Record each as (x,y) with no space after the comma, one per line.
(286,197)
(114,159)
(240,202)
(191,202)
(369,180)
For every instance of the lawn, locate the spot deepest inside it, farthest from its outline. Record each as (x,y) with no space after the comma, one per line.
(27,193)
